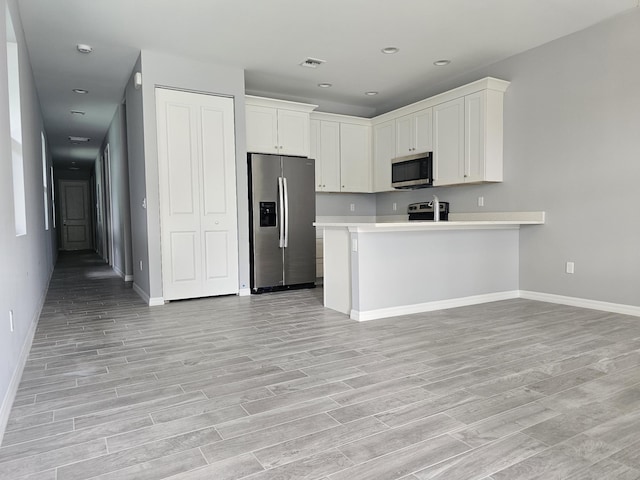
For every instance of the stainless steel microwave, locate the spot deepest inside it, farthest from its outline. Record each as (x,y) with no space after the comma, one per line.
(412,171)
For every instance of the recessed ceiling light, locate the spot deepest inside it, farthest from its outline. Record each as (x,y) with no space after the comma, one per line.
(79,139)
(441,63)
(325,85)
(80,91)
(390,50)
(371,93)
(77,112)
(74,168)
(84,48)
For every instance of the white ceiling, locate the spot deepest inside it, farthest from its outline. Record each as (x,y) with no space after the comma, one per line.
(269,38)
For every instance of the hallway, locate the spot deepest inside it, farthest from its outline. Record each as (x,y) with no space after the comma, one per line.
(276,386)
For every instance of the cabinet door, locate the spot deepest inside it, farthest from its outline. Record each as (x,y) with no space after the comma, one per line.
(474,132)
(262,129)
(423,130)
(355,158)
(404,136)
(384,149)
(293,133)
(314,151)
(330,156)
(448,142)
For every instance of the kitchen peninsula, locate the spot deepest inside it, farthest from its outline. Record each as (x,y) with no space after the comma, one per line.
(384,269)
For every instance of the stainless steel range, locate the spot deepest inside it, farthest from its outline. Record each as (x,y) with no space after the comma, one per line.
(424,211)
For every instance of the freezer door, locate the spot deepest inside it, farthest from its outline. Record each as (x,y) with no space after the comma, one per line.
(265,218)
(300,234)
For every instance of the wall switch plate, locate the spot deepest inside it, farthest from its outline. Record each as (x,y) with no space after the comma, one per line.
(481,201)
(570,267)
(353,207)
(140,265)
(354,244)
(395,206)
(11,325)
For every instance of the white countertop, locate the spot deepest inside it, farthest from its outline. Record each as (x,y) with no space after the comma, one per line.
(457,221)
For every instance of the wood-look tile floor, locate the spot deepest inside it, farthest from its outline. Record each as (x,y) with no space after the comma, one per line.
(276,387)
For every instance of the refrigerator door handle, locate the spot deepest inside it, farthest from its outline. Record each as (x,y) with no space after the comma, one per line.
(281,234)
(286,212)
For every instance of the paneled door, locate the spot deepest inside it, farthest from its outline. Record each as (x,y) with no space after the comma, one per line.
(76,217)
(198,210)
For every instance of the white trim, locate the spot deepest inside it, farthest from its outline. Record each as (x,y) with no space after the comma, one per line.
(119,272)
(12,390)
(582,302)
(152,302)
(156,301)
(431,306)
(128,278)
(244,292)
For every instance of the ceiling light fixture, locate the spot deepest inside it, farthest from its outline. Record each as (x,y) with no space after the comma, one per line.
(84,48)
(441,63)
(390,50)
(371,93)
(325,85)
(73,139)
(77,112)
(80,91)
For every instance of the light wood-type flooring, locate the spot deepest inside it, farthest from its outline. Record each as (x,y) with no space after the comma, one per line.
(274,386)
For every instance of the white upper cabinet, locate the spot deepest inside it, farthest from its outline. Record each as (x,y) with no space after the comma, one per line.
(414,133)
(448,133)
(355,158)
(341,146)
(325,149)
(277,126)
(384,149)
(468,139)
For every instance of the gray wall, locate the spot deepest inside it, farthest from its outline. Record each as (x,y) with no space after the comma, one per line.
(137,183)
(168,71)
(116,138)
(571,147)
(26,262)
(339,204)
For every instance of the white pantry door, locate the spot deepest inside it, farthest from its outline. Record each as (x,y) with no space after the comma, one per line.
(198,211)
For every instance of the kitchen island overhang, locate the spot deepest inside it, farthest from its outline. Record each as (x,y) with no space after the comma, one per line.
(386,269)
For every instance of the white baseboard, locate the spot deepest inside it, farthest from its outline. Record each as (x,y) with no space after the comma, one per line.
(582,302)
(128,278)
(10,396)
(119,272)
(431,306)
(244,292)
(151,301)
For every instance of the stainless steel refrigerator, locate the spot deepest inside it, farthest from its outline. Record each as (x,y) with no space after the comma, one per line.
(282,204)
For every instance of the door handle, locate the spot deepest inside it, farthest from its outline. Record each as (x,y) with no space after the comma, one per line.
(286,213)
(281,211)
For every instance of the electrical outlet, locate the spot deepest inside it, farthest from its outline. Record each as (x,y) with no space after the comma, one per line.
(395,206)
(481,201)
(570,267)
(353,207)
(140,265)
(11,325)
